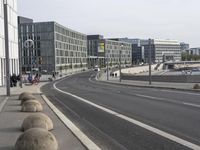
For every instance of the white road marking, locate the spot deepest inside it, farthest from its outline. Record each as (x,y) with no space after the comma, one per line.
(145,126)
(76,131)
(189,93)
(151,97)
(2,104)
(191,104)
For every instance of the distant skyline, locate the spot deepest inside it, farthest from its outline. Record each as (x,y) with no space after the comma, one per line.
(160,19)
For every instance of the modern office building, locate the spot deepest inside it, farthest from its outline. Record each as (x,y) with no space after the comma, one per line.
(194,51)
(161,50)
(184,47)
(55,49)
(13,40)
(100,50)
(94,57)
(137,48)
(166,50)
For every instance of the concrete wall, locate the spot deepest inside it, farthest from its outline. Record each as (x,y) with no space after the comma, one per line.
(166,78)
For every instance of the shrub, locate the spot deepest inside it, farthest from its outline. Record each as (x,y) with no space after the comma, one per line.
(196,86)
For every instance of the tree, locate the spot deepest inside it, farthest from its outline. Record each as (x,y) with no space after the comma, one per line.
(61,68)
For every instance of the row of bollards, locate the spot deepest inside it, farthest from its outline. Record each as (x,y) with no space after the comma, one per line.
(36,127)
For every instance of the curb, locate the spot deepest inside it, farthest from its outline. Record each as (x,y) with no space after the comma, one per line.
(2,104)
(169,88)
(90,145)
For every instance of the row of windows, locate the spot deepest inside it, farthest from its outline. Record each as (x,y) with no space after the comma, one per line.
(36,27)
(66,46)
(62,38)
(116,43)
(118,47)
(117,56)
(61,60)
(117,52)
(26,37)
(44,60)
(69,33)
(70,53)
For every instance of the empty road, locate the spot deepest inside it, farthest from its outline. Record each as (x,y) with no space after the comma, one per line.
(119,117)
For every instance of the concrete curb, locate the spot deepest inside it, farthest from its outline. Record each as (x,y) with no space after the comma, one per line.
(144,86)
(2,104)
(90,145)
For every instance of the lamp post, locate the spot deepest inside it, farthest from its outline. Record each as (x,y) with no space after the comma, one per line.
(20,62)
(5,6)
(150,62)
(107,66)
(120,55)
(28,44)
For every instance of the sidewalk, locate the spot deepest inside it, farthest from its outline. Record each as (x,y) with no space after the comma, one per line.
(11,120)
(167,85)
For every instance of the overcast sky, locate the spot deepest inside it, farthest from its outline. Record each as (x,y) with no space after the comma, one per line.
(165,19)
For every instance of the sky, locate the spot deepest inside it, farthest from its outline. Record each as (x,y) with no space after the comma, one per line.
(159,19)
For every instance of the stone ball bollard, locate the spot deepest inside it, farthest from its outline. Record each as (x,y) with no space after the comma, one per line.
(31,106)
(36,139)
(26,98)
(21,96)
(38,120)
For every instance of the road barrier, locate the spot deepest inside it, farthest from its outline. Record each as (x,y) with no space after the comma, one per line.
(164,78)
(38,120)
(36,127)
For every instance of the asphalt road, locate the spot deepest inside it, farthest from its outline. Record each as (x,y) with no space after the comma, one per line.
(175,112)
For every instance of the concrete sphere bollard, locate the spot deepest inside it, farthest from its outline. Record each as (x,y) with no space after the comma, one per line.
(24,94)
(31,106)
(38,120)
(27,97)
(36,139)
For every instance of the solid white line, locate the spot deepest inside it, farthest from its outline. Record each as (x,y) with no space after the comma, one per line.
(2,104)
(75,130)
(145,126)
(191,104)
(189,93)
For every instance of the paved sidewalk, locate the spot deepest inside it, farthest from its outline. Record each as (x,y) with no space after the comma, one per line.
(169,85)
(11,119)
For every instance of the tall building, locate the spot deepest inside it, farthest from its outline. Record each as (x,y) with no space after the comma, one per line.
(13,40)
(94,57)
(184,47)
(166,50)
(100,50)
(56,48)
(161,50)
(137,52)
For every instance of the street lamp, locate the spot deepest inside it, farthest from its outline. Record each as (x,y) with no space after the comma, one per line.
(28,44)
(150,62)
(120,53)
(107,66)
(5,6)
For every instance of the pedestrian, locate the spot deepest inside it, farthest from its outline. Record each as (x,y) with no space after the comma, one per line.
(29,78)
(14,79)
(53,76)
(115,74)
(11,82)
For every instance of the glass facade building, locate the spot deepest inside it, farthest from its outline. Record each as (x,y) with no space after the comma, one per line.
(100,50)
(55,49)
(161,50)
(13,40)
